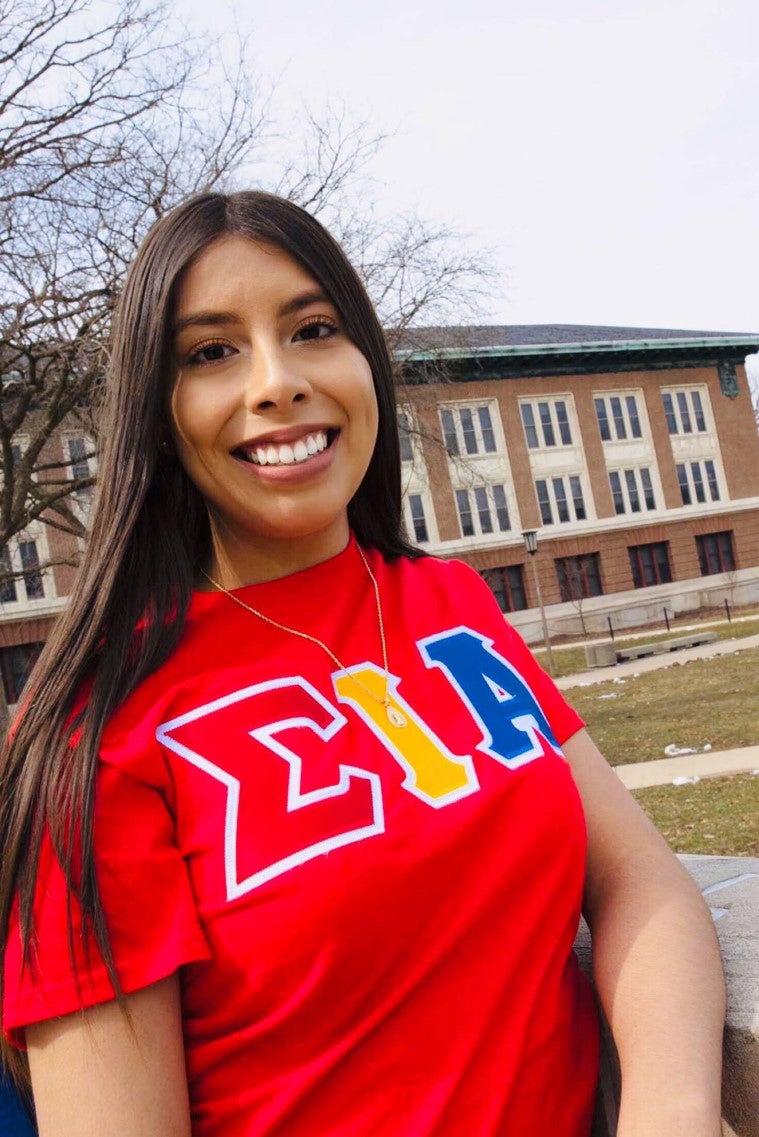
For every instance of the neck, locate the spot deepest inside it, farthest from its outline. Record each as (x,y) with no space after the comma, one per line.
(235,563)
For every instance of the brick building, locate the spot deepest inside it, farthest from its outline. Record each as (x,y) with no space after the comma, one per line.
(37,567)
(633,452)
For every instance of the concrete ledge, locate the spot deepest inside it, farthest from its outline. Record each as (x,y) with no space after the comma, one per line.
(730,886)
(601,654)
(661,647)
(654,663)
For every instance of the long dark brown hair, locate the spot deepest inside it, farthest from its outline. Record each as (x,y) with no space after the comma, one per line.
(149,530)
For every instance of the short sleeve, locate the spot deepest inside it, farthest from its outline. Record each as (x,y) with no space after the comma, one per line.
(563,719)
(148,901)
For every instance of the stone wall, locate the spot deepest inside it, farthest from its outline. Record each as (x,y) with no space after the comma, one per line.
(731,887)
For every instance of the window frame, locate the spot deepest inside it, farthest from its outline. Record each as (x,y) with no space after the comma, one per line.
(8,588)
(685,405)
(643,490)
(628,416)
(456,433)
(694,482)
(73,462)
(572,493)
(406,427)
(496,511)
(11,676)
(545,416)
(638,566)
(716,544)
(511,578)
(25,558)
(31,570)
(418,522)
(582,562)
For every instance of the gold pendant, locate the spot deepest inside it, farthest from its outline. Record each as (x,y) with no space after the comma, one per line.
(395,716)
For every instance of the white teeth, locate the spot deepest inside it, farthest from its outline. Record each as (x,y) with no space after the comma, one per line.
(286,454)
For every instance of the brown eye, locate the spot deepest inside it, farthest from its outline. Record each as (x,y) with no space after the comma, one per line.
(210,353)
(319,329)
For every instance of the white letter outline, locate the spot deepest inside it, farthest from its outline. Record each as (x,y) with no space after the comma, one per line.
(296,798)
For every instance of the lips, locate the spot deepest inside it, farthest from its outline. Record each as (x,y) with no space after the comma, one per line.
(287,453)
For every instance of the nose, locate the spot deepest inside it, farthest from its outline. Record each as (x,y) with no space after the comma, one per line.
(274,381)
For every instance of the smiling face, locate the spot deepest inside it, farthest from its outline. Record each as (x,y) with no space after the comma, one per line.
(273,409)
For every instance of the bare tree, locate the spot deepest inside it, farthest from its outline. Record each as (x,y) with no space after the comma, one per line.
(107,120)
(417,272)
(104,124)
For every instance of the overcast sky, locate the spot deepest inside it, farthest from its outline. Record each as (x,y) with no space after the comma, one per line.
(607,153)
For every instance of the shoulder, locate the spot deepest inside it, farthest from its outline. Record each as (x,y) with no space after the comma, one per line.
(128,744)
(432,593)
(429,568)
(451,581)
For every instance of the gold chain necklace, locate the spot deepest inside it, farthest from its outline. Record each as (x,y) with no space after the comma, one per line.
(394,715)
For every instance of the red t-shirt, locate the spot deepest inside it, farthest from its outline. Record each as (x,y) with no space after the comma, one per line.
(373,923)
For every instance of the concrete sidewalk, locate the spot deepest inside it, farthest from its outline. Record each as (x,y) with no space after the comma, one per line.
(663,771)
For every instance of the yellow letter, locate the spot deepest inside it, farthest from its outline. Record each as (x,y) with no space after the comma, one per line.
(432,772)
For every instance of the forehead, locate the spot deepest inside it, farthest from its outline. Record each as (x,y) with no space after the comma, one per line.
(237,272)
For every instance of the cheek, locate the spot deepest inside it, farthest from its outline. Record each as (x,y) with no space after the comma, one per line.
(178,409)
(368,399)
(195,409)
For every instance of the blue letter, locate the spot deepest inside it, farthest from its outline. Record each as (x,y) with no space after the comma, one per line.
(514,728)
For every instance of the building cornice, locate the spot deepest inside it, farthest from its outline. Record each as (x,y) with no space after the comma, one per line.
(509,361)
(589,347)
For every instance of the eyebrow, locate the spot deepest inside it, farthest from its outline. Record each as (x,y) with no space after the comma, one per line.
(216,318)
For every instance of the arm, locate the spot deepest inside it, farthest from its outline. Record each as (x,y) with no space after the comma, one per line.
(655,959)
(100,1073)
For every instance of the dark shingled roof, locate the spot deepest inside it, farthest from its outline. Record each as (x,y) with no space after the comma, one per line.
(512,351)
(481,336)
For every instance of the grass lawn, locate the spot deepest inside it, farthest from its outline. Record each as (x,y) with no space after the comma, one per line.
(717,815)
(712,701)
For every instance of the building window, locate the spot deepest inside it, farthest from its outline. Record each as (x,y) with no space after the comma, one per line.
(560,500)
(696,480)
(631,490)
(405,427)
(715,552)
(507,585)
(579,577)
(7,582)
(30,564)
(618,417)
(79,463)
(546,423)
(418,520)
(16,664)
(468,430)
(650,564)
(482,511)
(466,520)
(684,412)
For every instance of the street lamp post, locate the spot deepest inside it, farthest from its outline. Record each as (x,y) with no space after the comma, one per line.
(531,545)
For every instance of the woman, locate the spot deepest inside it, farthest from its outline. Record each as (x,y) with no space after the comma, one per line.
(297,824)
